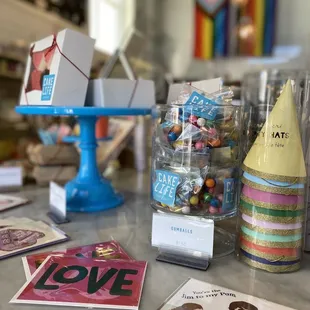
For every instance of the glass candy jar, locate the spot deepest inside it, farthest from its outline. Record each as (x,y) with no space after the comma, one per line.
(195,159)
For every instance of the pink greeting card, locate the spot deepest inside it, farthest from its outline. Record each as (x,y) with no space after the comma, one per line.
(103,250)
(92,283)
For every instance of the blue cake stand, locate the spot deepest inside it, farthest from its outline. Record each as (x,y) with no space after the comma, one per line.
(88,191)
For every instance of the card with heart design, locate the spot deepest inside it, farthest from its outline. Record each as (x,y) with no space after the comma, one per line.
(21,236)
(8,202)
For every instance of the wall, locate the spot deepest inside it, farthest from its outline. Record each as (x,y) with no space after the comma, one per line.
(293,27)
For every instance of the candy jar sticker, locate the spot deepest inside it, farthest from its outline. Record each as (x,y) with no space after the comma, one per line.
(229,192)
(165,186)
(201,106)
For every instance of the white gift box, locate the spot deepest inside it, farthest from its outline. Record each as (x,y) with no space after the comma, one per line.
(57,71)
(120,93)
(208,86)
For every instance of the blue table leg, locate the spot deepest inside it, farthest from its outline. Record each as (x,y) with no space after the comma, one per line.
(89,191)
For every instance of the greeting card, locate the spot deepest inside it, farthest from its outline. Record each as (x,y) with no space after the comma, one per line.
(8,202)
(70,281)
(198,295)
(103,250)
(19,236)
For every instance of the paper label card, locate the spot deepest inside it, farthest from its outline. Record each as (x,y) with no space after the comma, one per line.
(229,194)
(201,106)
(183,234)
(165,186)
(47,87)
(11,176)
(58,200)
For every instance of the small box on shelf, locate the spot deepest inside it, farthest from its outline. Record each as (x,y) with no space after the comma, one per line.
(57,70)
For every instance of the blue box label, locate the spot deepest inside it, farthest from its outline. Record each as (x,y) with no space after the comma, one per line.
(165,186)
(201,106)
(229,194)
(47,87)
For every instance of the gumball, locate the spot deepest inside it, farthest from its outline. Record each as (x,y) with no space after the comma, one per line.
(201,122)
(177,129)
(210,182)
(213,210)
(172,136)
(214,203)
(199,145)
(207,197)
(194,200)
(215,143)
(193,119)
(220,197)
(231,143)
(186,210)
(212,132)
(211,190)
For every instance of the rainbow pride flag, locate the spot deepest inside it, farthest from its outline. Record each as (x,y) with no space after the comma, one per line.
(221,27)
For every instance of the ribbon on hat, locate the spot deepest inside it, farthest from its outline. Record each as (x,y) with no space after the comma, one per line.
(272,244)
(279,213)
(273,200)
(268,256)
(280,232)
(270,225)
(270,268)
(288,252)
(270,238)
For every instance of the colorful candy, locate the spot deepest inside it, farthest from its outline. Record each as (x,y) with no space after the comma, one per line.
(215,143)
(213,210)
(215,202)
(211,190)
(194,200)
(210,183)
(220,197)
(201,122)
(186,210)
(172,136)
(177,129)
(199,145)
(193,119)
(207,197)
(212,132)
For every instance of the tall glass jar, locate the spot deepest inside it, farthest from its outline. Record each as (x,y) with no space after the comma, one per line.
(274,192)
(195,160)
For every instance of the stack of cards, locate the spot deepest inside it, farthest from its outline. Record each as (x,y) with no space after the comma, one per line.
(100,275)
(19,235)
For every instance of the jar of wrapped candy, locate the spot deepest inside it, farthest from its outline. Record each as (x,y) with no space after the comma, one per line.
(195,165)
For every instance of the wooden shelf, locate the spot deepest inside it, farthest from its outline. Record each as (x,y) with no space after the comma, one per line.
(24,22)
(9,75)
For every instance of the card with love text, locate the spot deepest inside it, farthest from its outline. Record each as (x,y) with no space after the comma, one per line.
(91,283)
